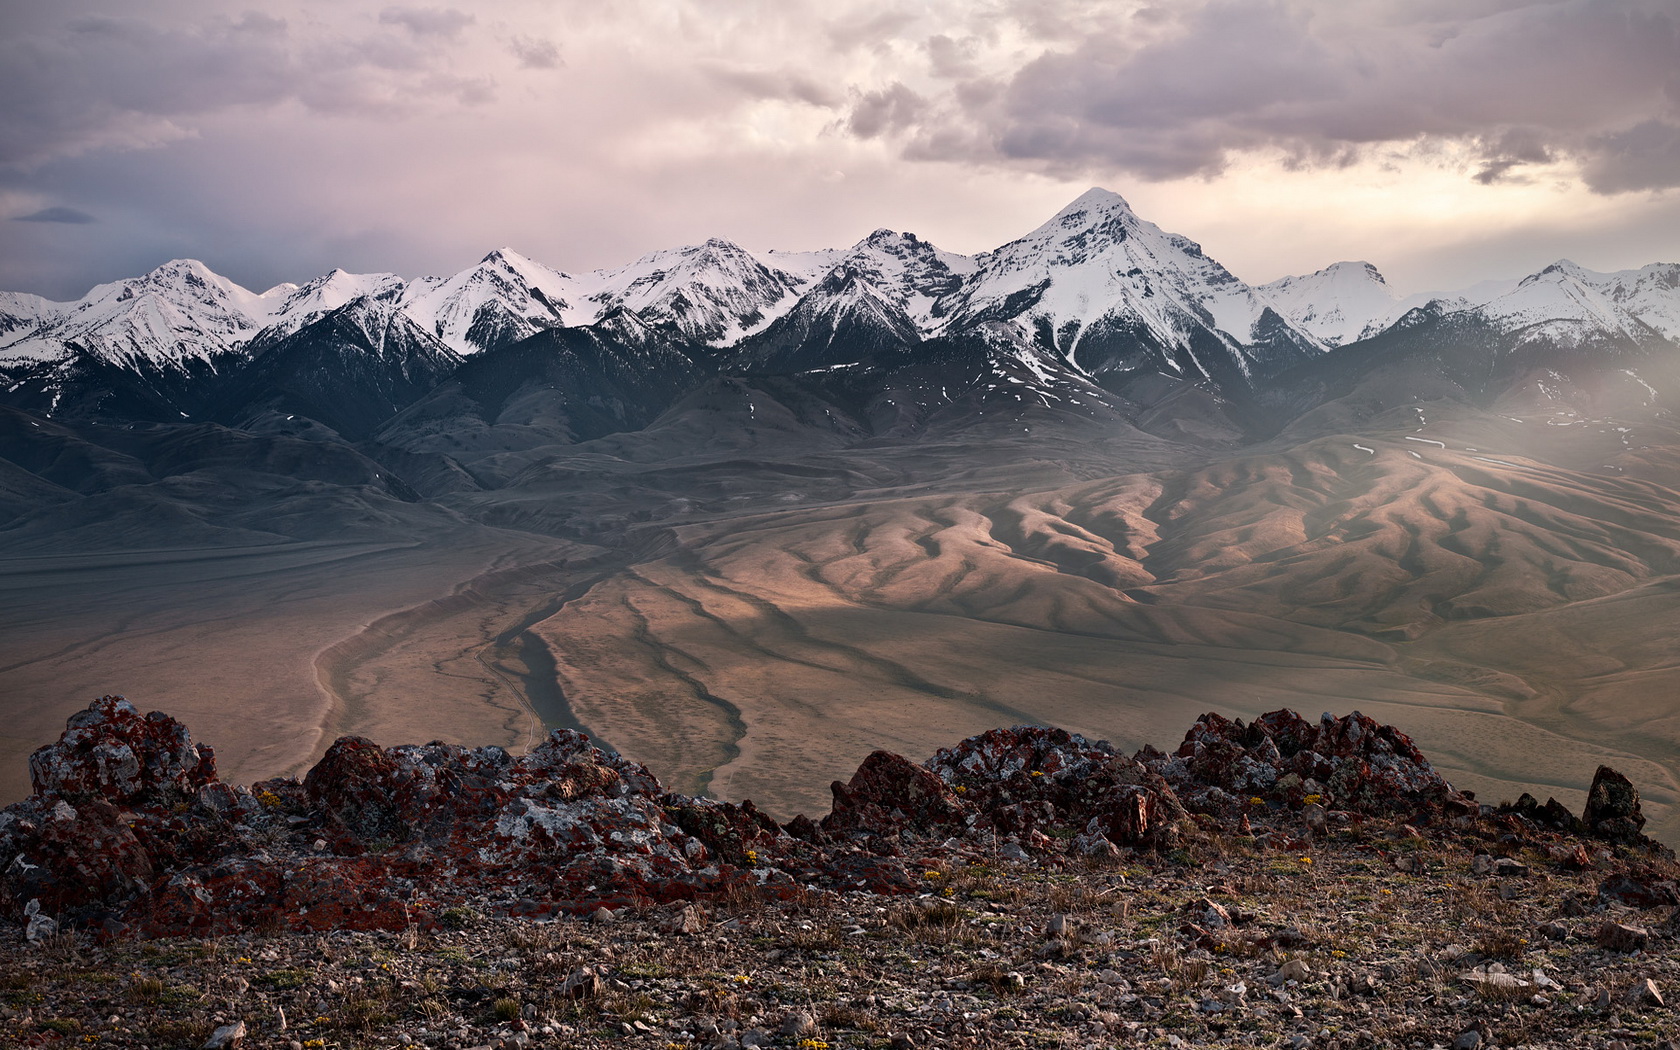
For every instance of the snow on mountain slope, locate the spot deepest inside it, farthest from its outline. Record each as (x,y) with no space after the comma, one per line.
(1562,305)
(840,321)
(179,312)
(1096,268)
(714,292)
(503,299)
(909,271)
(1650,294)
(306,303)
(21,313)
(1339,304)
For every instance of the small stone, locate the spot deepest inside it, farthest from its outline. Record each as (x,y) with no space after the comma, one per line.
(37,927)
(1619,937)
(600,915)
(1291,970)
(1209,913)
(1315,817)
(1645,991)
(690,920)
(1481,864)
(1508,866)
(583,983)
(226,1037)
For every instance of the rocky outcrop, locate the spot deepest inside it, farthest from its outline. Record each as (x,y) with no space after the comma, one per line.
(130,831)
(1613,807)
(112,752)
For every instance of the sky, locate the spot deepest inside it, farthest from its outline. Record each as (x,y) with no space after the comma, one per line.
(1446,141)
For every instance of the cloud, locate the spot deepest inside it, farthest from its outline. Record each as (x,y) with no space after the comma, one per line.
(121,82)
(412,135)
(57,213)
(427,21)
(1525,83)
(781,84)
(535,52)
(1643,157)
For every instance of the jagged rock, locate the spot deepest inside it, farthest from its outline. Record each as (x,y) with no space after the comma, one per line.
(1645,993)
(1613,808)
(1353,761)
(391,838)
(112,752)
(889,792)
(1552,815)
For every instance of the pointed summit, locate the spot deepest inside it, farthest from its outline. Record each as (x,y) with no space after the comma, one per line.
(1097,199)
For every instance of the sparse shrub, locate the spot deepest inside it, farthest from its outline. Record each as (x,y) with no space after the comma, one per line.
(1500,944)
(146,989)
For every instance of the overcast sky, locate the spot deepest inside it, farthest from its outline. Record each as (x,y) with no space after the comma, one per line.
(1443,140)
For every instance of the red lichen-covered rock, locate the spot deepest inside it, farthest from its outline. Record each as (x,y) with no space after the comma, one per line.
(359,788)
(890,794)
(112,751)
(129,830)
(739,834)
(78,860)
(1351,763)
(1031,780)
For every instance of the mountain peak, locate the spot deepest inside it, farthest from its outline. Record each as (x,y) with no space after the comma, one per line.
(1097,199)
(1357,269)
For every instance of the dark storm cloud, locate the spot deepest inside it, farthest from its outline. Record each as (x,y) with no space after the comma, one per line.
(1517,83)
(57,213)
(118,82)
(1644,157)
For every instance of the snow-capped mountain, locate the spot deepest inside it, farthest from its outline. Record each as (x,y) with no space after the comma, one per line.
(504,299)
(181,312)
(1114,293)
(1563,305)
(1341,303)
(1096,295)
(299,305)
(348,367)
(713,293)
(843,319)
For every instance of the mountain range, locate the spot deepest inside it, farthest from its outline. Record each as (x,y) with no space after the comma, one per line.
(748,513)
(1097,300)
